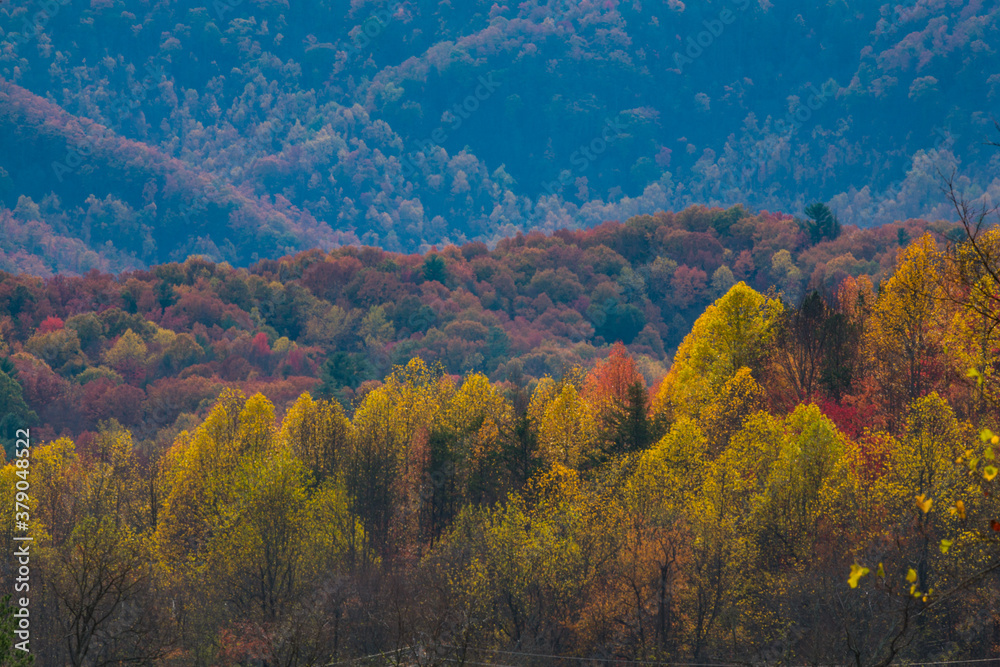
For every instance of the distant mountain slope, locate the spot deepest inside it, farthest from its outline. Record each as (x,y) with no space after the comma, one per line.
(120,203)
(405,124)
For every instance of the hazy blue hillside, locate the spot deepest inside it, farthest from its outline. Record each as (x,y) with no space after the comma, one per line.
(262,127)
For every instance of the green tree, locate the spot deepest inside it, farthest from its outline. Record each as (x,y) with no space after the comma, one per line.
(60,349)
(822,223)
(16,413)
(435,268)
(342,372)
(128,355)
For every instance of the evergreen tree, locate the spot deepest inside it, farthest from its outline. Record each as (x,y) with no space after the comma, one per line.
(822,223)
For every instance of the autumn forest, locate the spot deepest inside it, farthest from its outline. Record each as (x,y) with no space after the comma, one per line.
(481,455)
(480,333)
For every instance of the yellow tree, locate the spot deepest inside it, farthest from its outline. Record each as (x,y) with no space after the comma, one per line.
(317,433)
(390,451)
(245,522)
(937,496)
(649,570)
(194,479)
(733,333)
(925,463)
(198,481)
(923,472)
(787,513)
(719,516)
(529,566)
(971,341)
(567,429)
(127,355)
(378,449)
(724,415)
(906,329)
(252,559)
(721,555)
(466,447)
(57,471)
(95,559)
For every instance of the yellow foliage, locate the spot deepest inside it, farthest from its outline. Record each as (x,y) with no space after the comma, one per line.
(677,462)
(958,509)
(924,464)
(54,472)
(787,512)
(753,450)
(129,349)
(242,505)
(544,393)
(924,503)
(567,430)
(731,334)
(162,337)
(475,402)
(907,325)
(410,400)
(856,573)
(725,414)
(316,432)
(282,345)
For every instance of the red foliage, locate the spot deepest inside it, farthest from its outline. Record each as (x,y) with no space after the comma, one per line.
(41,385)
(50,324)
(698,249)
(297,360)
(327,279)
(610,378)
(245,642)
(194,307)
(850,419)
(261,347)
(689,285)
(743,267)
(102,399)
(378,287)
(235,369)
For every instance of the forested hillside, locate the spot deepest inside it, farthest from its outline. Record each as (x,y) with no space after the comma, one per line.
(147,347)
(388,332)
(135,135)
(523,479)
